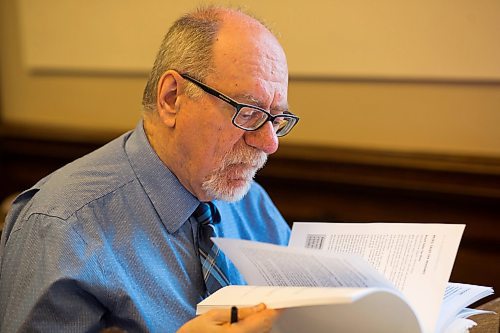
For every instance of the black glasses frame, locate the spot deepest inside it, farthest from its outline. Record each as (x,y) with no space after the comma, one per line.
(238,106)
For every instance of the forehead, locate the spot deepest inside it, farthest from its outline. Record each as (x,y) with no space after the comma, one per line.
(248,59)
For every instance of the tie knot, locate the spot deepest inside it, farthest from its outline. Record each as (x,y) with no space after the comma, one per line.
(206,213)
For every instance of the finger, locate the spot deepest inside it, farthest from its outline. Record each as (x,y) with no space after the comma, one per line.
(248,311)
(259,322)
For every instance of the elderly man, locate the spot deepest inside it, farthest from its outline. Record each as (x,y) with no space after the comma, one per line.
(121,237)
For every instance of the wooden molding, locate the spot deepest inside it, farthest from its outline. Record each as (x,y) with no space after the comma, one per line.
(461,175)
(312,183)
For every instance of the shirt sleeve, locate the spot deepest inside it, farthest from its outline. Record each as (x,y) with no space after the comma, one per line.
(43,279)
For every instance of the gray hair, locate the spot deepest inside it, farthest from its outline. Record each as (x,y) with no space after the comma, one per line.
(186,48)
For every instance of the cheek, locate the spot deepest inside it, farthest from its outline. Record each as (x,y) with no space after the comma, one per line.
(210,135)
(207,150)
(227,141)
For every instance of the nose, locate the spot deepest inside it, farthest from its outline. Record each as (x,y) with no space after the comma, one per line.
(264,138)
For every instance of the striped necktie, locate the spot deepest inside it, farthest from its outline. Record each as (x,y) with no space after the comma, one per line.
(212,260)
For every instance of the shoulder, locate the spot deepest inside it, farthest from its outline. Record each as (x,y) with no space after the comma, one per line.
(80,182)
(255,217)
(256,195)
(258,200)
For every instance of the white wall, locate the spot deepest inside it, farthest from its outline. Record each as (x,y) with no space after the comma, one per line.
(397,75)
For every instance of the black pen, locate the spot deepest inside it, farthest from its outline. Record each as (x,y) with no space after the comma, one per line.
(234,314)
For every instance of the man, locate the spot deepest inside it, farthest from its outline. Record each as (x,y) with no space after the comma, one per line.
(116,238)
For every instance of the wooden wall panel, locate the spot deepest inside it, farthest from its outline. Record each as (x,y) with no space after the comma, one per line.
(329,184)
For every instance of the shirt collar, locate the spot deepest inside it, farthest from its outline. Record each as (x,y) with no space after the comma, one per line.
(173,203)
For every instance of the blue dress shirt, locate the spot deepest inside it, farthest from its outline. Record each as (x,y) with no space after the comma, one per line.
(108,240)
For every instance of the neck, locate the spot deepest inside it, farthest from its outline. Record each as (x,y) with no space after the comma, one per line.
(162,141)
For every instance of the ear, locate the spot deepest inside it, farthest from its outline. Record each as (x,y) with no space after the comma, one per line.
(167,95)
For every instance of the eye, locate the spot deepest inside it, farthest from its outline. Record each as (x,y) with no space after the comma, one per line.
(249,114)
(250,118)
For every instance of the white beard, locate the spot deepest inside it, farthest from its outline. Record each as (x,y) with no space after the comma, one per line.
(238,166)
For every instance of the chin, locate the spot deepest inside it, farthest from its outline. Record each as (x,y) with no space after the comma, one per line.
(231,191)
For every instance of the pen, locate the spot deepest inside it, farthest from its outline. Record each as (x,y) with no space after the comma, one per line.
(234,314)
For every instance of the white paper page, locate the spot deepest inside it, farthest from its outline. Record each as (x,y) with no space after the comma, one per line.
(468,312)
(456,298)
(279,297)
(322,310)
(459,325)
(264,264)
(417,258)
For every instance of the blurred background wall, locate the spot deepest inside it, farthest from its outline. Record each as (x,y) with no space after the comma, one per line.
(405,75)
(399,104)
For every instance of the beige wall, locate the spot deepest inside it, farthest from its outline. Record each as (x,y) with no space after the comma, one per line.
(438,92)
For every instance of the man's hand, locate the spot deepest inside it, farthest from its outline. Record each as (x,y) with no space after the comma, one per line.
(256,319)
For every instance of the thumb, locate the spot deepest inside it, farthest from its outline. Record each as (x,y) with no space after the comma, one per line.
(259,322)
(224,315)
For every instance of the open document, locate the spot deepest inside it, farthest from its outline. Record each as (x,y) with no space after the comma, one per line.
(410,262)
(323,310)
(416,257)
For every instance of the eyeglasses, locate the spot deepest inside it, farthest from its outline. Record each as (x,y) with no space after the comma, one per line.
(250,117)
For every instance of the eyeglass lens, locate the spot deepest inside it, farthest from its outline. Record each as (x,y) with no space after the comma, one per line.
(250,119)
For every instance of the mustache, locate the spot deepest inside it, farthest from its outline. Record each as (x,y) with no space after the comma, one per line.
(245,155)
